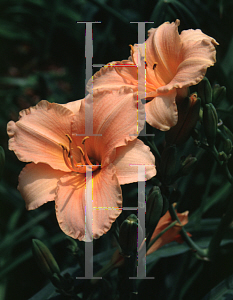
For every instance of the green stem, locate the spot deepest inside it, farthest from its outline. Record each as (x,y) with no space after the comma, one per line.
(224,165)
(200,251)
(160,234)
(228,217)
(218,235)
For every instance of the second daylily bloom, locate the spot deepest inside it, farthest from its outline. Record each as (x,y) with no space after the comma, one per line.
(171,234)
(52,137)
(173,62)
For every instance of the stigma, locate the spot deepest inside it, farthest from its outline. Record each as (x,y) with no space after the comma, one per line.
(70,161)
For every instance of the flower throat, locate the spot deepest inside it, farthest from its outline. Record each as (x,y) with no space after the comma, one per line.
(70,161)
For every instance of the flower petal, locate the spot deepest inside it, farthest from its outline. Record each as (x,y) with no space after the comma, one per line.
(198,53)
(74,106)
(169,235)
(163,53)
(161,112)
(38,183)
(70,202)
(115,117)
(37,136)
(136,152)
(113,76)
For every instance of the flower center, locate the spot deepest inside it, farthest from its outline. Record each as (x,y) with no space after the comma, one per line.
(70,161)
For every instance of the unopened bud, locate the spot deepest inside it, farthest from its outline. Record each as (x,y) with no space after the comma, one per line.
(222,156)
(44,259)
(2,161)
(168,164)
(205,91)
(219,93)
(128,235)
(227,146)
(154,208)
(188,165)
(228,132)
(210,122)
(188,111)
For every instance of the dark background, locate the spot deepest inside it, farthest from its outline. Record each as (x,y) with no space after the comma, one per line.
(42,56)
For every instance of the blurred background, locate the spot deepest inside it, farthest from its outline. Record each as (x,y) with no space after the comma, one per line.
(42,56)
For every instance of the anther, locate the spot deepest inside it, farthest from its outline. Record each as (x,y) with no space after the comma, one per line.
(69,138)
(86,137)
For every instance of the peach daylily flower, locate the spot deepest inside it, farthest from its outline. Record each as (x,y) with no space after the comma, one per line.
(52,138)
(172,234)
(173,63)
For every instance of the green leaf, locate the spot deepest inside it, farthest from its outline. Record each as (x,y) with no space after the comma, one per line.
(223,291)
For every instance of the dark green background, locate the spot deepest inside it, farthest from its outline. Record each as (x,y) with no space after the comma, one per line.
(42,56)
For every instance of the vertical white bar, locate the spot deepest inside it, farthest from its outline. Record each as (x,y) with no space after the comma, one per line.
(141,270)
(89,99)
(142,76)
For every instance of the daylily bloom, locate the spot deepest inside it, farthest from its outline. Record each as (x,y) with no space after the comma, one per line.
(172,234)
(173,62)
(52,138)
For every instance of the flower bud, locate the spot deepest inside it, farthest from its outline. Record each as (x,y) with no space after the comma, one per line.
(219,93)
(154,208)
(188,165)
(210,122)
(2,160)
(227,146)
(205,91)
(168,164)
(188,111)
(128,235)
(222,156)
(228,132)
(44,259)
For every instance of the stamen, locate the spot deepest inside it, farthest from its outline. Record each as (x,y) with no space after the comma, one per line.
(82,155)
(69,138)
(66,158)
(70,161)
(85,151)
(70,155)
(132,49)
(94,167)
